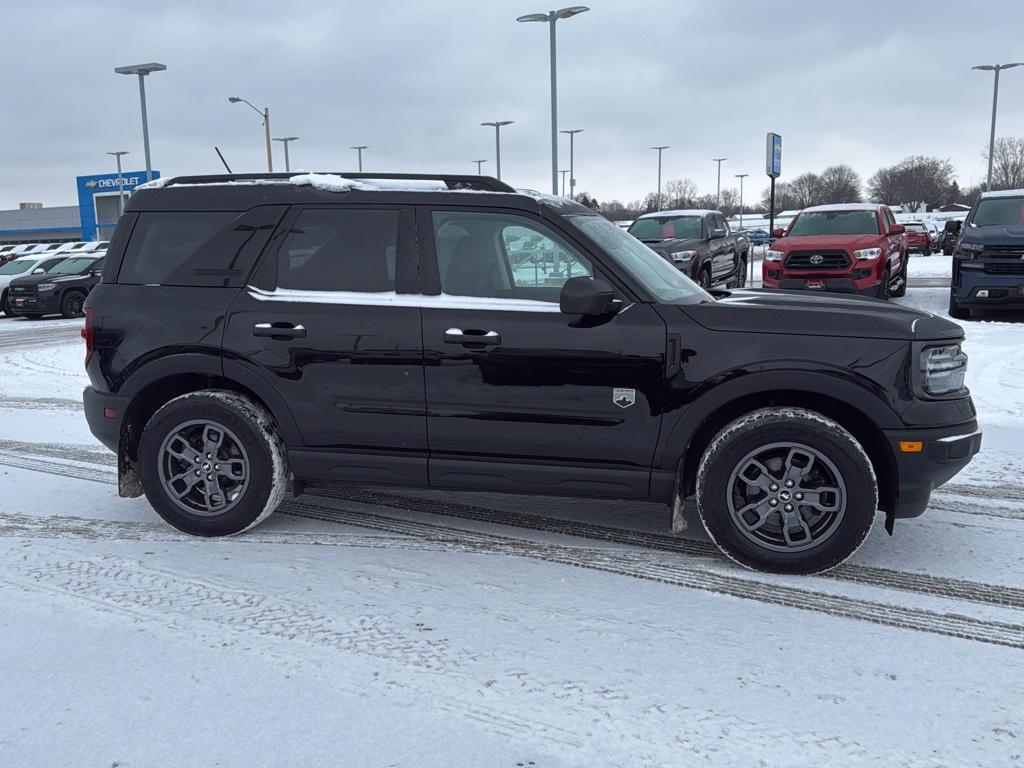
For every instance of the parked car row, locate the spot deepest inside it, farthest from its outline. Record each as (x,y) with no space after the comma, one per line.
(51,281)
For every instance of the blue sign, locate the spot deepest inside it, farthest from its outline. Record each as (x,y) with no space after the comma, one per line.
(97,200)
(773,155)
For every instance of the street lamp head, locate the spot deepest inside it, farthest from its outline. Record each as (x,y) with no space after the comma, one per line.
(665,147)
(140,69)
(498,123)
(287,138)
(719,159)
(234,99)
(360,146)
(572,131)
(118,153)
(534,17)
(572,10)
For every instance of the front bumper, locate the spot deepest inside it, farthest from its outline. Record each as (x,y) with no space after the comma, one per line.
(944,451)
(864,287)
(43,304)
(1003,290)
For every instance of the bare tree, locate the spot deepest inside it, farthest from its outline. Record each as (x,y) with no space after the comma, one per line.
(1007,163)
(679,193)
(914,182)
(839,184)
(587,199)
(729,203)
(784,198)
(806,188)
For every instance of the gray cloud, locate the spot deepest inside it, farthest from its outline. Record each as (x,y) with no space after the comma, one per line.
(865,84)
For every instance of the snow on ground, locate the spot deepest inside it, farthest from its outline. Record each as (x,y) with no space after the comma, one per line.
(376,627)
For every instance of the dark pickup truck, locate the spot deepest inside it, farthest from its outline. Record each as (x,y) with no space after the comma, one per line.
(61,291)
(697,242)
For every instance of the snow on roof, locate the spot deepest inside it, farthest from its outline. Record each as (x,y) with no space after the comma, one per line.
(845,207)
(681,212)
(326,182)
(1003,193)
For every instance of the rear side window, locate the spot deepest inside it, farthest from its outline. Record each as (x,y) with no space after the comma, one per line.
(340,249)
(214,249)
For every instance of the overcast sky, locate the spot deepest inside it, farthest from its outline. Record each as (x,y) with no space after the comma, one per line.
(864,83)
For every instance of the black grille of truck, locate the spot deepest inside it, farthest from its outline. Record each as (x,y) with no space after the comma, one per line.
(1003,251)
(1007,268)
(23,290)
(817,260)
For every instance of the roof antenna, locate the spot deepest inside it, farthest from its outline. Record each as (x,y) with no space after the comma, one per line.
(222,158)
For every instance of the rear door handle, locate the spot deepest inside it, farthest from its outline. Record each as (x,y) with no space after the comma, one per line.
(458,336)
(279,330)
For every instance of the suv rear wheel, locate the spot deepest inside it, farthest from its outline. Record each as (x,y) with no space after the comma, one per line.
(212,463)
(786,490)
(4,309)
(72,303)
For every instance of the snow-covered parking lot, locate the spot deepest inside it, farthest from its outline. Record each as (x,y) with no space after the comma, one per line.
(394,628)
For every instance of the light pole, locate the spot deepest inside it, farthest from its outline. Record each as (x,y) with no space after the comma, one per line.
(120,182)
(359,149)
(572,176)
(142,70)
(551,17)
(997,68)
(718,190)
(563,172)
(496,125)
(479,166)
(287,162)
(660,150)
(265,114)
(741,177)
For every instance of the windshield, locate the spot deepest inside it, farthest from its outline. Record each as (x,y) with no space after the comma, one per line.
(663,281)
(834,223)
(999,211)
(73,266)
(16,267)
(666,227)
(914,227)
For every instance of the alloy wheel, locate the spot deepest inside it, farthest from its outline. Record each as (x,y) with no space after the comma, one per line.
(786,497)
(204,468)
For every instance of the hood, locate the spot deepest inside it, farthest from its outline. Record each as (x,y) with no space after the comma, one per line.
(996,234)
(803,314)
(46,278)
(831,242)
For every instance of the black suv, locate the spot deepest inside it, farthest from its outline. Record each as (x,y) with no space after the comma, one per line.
(62,290)
(379,331)
(988,256)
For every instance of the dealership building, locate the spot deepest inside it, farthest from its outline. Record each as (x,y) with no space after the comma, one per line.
(93,218)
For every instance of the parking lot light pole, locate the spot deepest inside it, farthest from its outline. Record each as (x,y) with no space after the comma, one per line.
(479,166)
(285,140)
(551,17)
(660,150)
(718,189)
(563,172)
(996,68)
(741,177)
(265,114)
(359,150)
(142,70)
(572,176)
(497,125)
(120,182)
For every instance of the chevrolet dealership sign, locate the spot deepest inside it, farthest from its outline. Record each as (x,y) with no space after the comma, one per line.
(92,189)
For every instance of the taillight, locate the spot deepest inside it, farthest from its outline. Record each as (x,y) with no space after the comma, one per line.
(87,333)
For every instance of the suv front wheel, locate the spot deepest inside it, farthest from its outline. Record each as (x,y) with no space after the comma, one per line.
(212,463)
(786,490)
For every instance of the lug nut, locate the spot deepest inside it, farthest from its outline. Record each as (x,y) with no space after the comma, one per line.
(798,496)
(209,477)
(788,507)
(217,467)
(773,502)
(789,483)
(198,473)
(773,487)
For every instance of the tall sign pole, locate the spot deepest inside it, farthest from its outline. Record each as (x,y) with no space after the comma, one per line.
(773,167)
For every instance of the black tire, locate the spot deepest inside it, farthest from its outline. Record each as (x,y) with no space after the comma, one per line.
(72,303)
(704,278)
(831,536)
(956,311)
(4,309)
(883,286)
(34,317)
(902,290)
(248,439)
(741,272)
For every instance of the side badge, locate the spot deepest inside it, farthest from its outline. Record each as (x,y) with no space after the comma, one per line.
(623,397)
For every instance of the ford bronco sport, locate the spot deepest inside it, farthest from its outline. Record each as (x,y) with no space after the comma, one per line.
(375,330)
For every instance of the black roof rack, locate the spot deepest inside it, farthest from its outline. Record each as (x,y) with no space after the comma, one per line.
(453,181)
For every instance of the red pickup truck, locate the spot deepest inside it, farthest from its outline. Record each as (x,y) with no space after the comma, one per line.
(843,248)
(918,237)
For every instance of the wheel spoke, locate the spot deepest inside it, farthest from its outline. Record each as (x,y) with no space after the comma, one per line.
(761,477)
(761,508)
(189,477)
(812,497)
(180,448)
(213,438)
(792,521)
(233,469)
(795,468)
(214,494)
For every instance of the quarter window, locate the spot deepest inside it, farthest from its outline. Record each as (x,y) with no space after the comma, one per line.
(340,250)
(503,256)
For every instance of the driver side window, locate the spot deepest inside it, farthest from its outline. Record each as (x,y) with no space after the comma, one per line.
(503,256)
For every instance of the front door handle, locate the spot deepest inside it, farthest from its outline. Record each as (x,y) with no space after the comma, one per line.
(279,331)
(458,336)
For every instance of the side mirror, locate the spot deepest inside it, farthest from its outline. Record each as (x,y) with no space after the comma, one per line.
(779,232)
(897,229)
(38,271)
(717,232)
(588,296)
(953,227)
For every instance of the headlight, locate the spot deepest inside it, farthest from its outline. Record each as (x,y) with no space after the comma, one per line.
(682,255)
(774,255)
(970,250)
(867,254)
(943,369)
(45,287)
